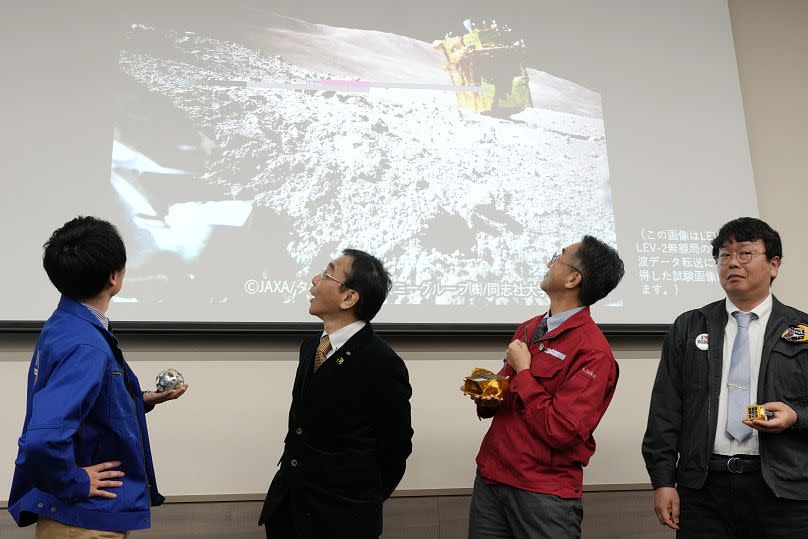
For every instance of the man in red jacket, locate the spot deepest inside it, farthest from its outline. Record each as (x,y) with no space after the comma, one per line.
(562,378)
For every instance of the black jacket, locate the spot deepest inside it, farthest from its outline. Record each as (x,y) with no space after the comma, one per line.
(682,419)
(348,441)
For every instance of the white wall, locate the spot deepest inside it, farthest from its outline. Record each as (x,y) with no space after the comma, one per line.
(226,434)
(771,46)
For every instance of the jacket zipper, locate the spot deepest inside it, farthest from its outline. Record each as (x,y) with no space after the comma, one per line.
(128,385)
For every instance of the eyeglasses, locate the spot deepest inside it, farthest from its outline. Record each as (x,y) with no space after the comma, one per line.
(744,257)
(556,256)
(325,275)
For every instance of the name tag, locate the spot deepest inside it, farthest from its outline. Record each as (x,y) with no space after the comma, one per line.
(556,353)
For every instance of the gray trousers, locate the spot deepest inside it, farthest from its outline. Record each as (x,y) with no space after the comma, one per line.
(500,511)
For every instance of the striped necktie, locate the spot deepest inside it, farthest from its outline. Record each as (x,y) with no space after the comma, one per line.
(322,350)
(541,330)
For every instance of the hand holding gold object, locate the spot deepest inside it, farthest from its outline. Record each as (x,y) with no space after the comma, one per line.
(484,384)
(756,411)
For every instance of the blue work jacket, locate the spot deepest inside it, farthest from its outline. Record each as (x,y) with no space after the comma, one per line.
(84,407)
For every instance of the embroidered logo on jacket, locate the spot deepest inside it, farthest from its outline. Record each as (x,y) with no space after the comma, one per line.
(36,368)
(588,373)
(798,333)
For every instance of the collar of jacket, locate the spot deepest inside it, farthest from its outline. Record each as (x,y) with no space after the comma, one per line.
(350,344)
(355,339)
(716,315)
(79,310)
(577,320)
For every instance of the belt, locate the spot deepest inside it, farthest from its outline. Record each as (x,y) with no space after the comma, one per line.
(734,464)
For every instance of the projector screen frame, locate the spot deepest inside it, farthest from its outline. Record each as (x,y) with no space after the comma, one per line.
(293,329)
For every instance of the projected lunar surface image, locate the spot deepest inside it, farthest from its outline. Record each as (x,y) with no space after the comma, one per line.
(249,155)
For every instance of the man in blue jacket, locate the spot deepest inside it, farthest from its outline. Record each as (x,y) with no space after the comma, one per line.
(84,467)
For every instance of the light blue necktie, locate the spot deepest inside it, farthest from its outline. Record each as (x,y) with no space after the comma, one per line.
(738,379)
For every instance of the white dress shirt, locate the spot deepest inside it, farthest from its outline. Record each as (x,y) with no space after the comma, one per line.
(341,336)
(724,443)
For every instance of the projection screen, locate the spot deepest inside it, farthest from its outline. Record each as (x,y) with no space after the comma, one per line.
(239,148)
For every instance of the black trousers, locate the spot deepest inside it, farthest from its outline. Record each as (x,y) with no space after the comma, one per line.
(281,525)
(739,506)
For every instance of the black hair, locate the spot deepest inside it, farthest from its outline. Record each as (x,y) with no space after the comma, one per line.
(749,229)
(80,257)
(368,277)
(601,269)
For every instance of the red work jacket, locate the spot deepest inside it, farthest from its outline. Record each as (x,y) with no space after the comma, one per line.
(541,435)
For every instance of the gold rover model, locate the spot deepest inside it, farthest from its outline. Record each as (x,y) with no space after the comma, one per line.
(484,384)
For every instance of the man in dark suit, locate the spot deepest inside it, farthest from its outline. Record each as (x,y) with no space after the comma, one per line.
(349,424)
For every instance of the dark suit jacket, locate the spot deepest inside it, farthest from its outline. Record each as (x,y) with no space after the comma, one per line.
(348,441)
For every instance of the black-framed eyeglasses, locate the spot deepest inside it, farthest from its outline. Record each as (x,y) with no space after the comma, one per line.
(556,256)
(326,275)
(744,257)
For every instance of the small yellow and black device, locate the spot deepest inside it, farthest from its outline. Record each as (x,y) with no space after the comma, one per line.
(483,383)
(756,411)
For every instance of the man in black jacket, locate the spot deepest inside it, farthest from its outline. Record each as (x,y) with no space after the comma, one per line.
(349,425)
(715,473)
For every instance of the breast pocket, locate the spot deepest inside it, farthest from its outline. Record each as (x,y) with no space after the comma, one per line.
(788,367)
(546,368)
(118,400)
(794,350)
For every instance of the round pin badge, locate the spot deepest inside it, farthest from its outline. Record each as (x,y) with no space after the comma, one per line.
(703,341)
(541,346)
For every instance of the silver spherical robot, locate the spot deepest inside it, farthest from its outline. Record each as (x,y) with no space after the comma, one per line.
(169,380)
